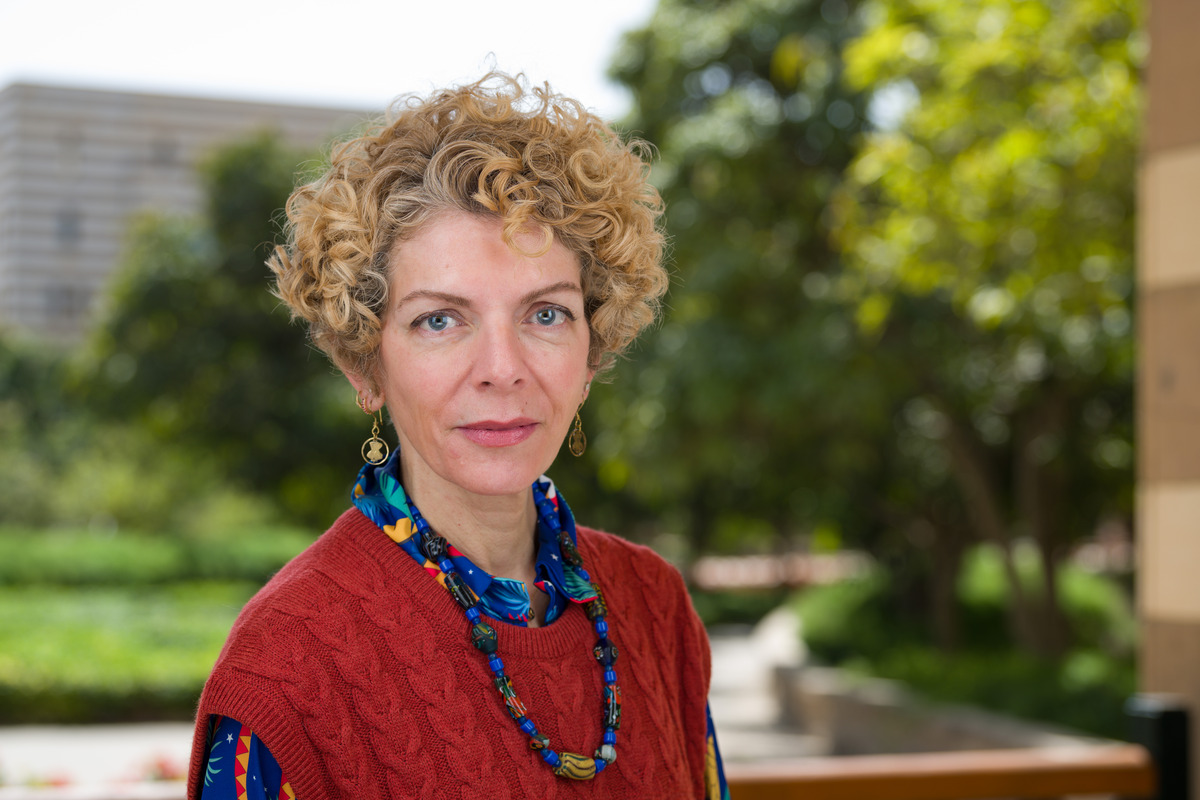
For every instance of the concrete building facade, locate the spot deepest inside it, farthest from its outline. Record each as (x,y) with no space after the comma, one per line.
(1169,365)
(76,165)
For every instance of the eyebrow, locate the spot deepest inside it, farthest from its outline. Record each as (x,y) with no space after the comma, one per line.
(459,300)
(445,297)
(561,286)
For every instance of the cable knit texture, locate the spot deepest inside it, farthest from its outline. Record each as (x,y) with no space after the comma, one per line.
(356,670)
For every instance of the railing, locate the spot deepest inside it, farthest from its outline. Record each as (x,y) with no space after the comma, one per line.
(1123,770)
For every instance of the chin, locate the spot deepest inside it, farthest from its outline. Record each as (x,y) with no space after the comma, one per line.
(500,474)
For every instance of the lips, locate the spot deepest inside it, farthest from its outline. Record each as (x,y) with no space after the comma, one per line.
(490,433)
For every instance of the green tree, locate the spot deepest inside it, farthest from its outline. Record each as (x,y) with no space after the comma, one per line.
(726,423)
(987,236)
(903,238)
(196,350)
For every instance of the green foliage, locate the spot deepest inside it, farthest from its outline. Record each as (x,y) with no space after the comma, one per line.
(987,236)
(849,618)
(30,404)
(103,654)
(903,237)
(65,558)
(76,558)
(726,424)
(735,607)
(122,626)
(195,351)
(856,624)
(1097,607)
(1085,691)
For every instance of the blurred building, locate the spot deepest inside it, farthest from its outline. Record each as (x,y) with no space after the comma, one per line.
(77,164)
(1169,367)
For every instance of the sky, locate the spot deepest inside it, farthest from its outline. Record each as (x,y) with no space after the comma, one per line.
(358,54)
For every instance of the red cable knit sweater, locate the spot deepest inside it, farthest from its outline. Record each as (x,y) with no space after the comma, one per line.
(357,672)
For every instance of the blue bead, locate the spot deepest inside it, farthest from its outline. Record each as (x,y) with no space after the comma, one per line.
(583,574)
(610,736)
(610,676)
(446,566)
(528,726)
(550,757)
(473,614)
(601,764)
(601,627)
(496,664)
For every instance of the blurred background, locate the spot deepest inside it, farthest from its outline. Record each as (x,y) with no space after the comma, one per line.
(891,400)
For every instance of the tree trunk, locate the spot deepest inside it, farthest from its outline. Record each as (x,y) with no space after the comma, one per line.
(981,494)
(1041,485)
(948,546)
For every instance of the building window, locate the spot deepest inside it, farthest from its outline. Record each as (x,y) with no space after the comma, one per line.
(164,151)
(68,227)
(66,301)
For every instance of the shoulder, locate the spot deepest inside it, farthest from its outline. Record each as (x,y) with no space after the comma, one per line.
(315,585)
(600,547)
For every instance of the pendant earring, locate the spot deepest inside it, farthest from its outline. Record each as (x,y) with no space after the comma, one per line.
(374,450)
(577,442)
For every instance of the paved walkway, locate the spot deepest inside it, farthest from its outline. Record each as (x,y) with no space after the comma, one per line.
(742,703)
(93,754)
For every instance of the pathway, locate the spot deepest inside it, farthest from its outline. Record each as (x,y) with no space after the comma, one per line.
(742,699)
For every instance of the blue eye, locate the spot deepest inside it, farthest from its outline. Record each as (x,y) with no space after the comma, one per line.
(435,322)
(551,316)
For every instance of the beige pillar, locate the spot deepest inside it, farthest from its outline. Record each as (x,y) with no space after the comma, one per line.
(1169,363)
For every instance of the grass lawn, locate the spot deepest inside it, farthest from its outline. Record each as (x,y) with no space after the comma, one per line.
(100,653)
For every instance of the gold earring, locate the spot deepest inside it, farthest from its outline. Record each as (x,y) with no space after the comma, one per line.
(374,450)
(577,442)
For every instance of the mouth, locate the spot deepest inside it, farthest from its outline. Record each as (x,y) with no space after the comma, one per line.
(492,433)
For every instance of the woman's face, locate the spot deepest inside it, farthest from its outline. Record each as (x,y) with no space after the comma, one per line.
(483,358)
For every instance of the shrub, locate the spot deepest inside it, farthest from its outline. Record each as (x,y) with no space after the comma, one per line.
(91,654)
(122,559)
(736,607)
(854,624)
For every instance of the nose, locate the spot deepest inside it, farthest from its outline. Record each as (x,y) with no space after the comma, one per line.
(500,359)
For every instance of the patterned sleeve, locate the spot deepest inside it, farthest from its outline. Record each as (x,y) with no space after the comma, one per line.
(239,766)
(715,787)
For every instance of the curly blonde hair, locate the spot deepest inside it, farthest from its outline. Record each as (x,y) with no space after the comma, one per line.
(529,157)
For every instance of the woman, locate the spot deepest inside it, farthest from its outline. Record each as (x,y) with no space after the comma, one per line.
(471,266)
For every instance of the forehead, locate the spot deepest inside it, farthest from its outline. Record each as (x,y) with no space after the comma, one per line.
(463,250)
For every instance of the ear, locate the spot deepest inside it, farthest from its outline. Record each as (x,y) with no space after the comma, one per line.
(365,389)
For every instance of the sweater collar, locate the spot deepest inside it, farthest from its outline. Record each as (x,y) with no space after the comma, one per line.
(380,496)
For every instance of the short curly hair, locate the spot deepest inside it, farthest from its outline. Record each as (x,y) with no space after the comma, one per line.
(528,157)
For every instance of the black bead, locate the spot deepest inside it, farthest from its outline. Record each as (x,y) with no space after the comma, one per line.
(459,590)
(434,547)
(483,636)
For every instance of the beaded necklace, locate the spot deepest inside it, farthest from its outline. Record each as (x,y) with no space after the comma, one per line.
(483,637)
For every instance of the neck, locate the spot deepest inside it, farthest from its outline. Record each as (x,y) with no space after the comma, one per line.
(498,533)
